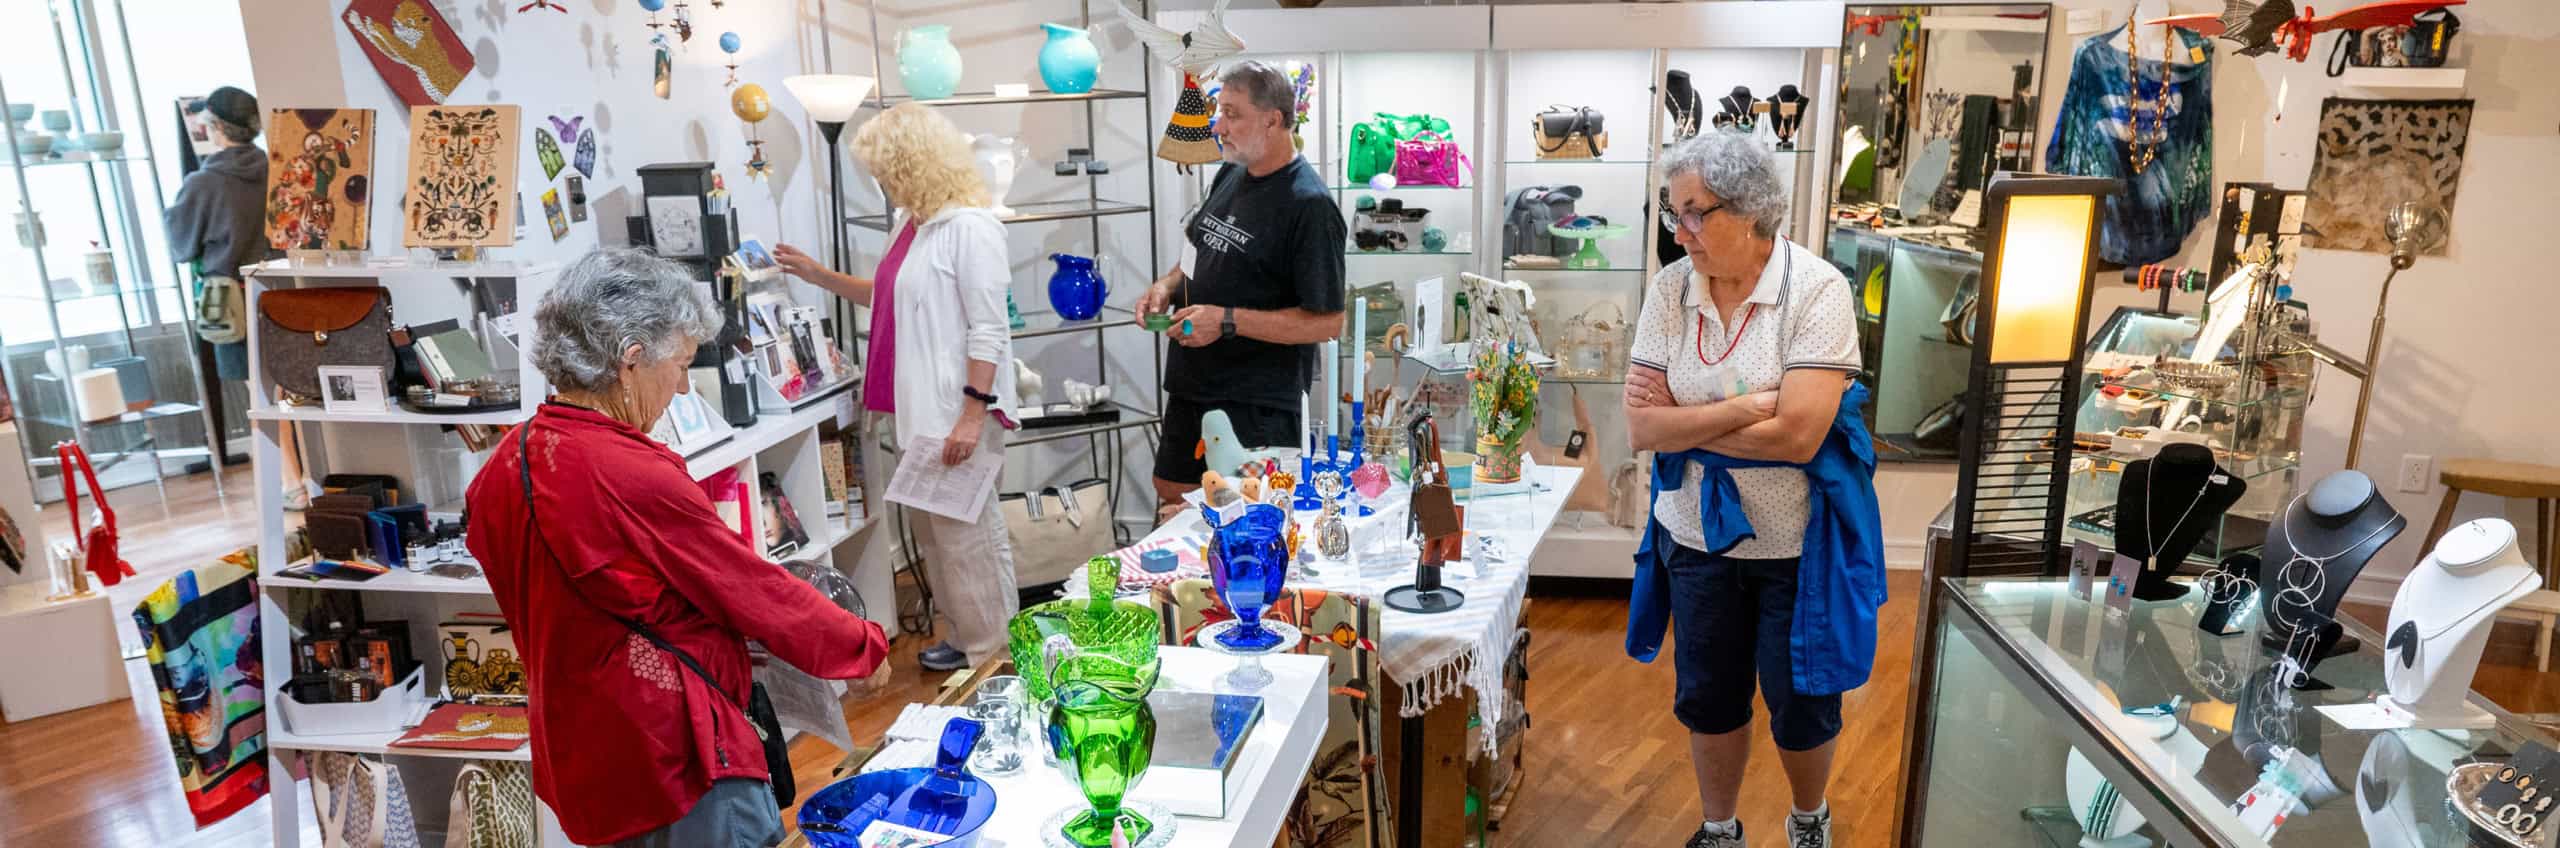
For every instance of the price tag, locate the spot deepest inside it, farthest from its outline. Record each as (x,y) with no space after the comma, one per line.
(844,411)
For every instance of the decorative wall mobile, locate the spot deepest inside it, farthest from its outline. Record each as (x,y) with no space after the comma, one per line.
(462,171)
(751,105)
(729,44)
(574,134)
(2369,156)
(662,65)
(412,47)
(319,167)
(547,151)
(1186,135)
(542,4)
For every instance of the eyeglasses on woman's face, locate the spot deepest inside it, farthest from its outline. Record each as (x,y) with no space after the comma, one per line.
(1688,222)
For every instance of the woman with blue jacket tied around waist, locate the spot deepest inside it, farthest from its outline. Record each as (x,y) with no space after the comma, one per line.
(1763,554)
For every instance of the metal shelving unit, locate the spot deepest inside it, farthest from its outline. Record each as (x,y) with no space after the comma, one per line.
(92,86)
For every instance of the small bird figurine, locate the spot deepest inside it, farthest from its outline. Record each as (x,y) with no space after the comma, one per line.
(1220,448)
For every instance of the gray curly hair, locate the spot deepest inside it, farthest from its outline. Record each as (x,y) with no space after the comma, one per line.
(1265,85)
(605,302)
(1739,171)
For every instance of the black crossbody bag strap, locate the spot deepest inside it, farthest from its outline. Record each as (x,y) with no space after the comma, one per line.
(768,728)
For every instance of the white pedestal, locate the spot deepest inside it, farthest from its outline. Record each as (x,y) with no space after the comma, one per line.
(63,655)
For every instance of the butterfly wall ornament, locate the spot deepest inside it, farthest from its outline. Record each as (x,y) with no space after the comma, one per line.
(580,139)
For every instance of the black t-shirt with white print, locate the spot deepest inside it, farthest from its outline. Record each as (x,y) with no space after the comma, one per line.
(1268,242)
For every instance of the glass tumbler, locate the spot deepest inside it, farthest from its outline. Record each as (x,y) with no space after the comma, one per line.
(999,750)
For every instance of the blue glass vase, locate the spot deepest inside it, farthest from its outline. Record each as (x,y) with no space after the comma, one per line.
(927,63)
(1069,62)
(1076,290)
(1249,562)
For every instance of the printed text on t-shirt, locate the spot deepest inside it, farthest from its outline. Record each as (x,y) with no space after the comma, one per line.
(1223,236)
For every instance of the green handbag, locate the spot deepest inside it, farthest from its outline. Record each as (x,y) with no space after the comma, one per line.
(1373,143)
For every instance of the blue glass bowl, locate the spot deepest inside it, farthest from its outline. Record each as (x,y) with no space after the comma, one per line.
(945,799)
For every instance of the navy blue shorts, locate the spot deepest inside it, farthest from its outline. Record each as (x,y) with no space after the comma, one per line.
(1730,620)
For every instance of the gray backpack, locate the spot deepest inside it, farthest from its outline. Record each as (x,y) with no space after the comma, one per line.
(1529,212)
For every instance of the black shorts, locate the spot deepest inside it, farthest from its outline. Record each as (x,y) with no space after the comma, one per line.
(1732,621)
(1178,458)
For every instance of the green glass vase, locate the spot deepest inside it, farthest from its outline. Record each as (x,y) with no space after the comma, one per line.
(1104,742)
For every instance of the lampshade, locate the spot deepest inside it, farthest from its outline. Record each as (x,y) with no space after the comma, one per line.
(2040,281)
(830,98)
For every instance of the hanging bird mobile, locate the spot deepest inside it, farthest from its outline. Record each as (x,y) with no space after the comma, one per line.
(1196,54)
(684,22)
(751,105)
(729,44)
(542,4)
(654,7)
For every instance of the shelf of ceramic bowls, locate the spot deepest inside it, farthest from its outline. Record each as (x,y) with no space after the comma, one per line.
(1049,323)
(1028,212)
(990,99)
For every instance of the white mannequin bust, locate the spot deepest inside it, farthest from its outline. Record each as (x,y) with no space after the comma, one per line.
(2439,620)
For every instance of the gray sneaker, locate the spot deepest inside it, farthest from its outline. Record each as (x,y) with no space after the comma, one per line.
(1812,831)
(1707,839)
(942,657)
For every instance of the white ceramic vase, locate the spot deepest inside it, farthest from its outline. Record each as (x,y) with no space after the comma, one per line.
(999,159)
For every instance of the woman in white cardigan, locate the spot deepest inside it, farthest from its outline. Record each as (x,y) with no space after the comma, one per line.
(939,354)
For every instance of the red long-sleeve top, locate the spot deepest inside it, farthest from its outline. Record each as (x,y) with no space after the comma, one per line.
(625,738)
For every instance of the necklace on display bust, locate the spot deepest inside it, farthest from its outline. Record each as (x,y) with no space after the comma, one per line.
(2309,590)
(2150,542)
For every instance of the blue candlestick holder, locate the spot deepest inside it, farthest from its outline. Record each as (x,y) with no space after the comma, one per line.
(1306,500)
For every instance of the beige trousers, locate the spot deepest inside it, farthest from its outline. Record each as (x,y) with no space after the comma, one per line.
(968,564)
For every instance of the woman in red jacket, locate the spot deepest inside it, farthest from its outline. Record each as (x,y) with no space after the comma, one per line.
(631,746)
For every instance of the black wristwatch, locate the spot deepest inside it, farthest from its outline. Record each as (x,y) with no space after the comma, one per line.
(1227,323)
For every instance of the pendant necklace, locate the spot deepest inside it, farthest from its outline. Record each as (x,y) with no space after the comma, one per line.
(2151,546)
(1683,121)
(2139,148)
(2318,583)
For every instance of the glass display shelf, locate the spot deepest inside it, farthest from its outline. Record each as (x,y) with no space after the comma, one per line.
(2026,674)
(77,158)
(1358,252)
(1130,418)
(1514,269)
(1402,187)
(1581,162)
(989,99)
(66,290)
(1048,322)
(153,413)
(1031,211)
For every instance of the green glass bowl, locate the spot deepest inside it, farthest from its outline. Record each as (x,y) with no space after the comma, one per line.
(1114,645)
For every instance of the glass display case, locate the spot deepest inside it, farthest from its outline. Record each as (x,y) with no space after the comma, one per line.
(2134,396)
(1931,101)
(2041,707)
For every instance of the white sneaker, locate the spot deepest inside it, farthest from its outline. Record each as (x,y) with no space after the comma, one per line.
(1809,831)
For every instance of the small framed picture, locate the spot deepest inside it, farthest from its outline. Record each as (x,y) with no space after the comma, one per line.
(353,388)
(755,260)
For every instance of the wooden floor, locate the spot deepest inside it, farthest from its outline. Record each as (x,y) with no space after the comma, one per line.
(1607,764)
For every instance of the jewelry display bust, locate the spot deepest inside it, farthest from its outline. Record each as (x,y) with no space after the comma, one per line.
(2163,509)
(2439,620)
(1681,99)
(1734,110)
(2320,543)
(1786,113)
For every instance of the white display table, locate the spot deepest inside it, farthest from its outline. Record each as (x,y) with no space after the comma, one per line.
(62,655)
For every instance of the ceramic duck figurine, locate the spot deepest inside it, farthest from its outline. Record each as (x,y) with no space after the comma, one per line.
(1221,449)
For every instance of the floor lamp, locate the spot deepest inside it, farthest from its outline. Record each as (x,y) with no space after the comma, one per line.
(831,100)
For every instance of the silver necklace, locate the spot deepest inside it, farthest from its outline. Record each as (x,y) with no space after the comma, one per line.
(2319,581)
(2151,474)
(1684,121)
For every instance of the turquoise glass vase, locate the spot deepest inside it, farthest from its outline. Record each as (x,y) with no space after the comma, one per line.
(927,63)
(1069,62)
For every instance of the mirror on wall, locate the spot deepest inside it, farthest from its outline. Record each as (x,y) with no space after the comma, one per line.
(1932,101)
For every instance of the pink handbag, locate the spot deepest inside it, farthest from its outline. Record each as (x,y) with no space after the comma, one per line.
(1429,158)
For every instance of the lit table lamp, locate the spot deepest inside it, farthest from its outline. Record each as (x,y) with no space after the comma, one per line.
(2022,398)
(831,100)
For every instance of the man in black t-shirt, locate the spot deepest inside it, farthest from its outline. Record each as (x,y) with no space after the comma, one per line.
(1260,284)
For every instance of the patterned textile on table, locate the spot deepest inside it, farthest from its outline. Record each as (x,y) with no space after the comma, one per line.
(200,633)
(1343,803)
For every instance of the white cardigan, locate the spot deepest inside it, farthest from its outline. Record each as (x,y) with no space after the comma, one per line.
(949,308)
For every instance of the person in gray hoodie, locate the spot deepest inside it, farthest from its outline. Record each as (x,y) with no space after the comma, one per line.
(219,220)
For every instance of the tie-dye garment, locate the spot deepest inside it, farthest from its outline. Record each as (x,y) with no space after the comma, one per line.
(2146,221)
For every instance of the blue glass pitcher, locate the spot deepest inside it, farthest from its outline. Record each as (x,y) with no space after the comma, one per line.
(1076,290)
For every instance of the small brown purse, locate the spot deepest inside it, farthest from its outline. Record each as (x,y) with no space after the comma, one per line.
(1435,512)
(1569,132)
(300,330)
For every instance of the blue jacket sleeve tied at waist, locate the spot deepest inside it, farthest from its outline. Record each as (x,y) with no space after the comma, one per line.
(1839,579)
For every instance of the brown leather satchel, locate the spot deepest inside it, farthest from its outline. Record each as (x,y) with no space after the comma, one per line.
(300,330)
